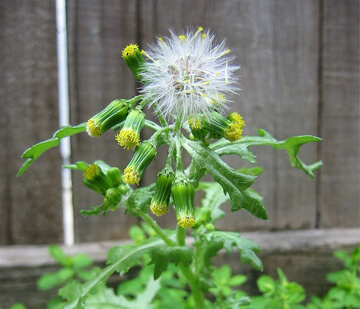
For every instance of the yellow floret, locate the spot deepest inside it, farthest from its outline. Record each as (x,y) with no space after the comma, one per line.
(128,138)
(233,133)
(194,123)
(92,171)
(186,221)
(237,119)
(130,50)
(131,176)
(93,128)
(158,209)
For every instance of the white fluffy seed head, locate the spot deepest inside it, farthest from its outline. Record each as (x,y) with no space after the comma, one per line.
(188,74)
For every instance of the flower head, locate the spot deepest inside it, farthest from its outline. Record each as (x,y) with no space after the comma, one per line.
(183,193)
(160,202)
(129,136)
(144,154)
(133,58)
(113,114)
(95,179)
(188,74)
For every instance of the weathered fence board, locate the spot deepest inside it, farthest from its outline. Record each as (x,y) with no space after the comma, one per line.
(340,119)
(30,206)
(98,31)
(299,75)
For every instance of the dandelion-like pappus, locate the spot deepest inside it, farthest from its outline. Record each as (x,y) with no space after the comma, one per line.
(188,74)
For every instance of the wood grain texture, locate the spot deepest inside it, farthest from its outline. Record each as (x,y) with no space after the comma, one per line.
(296,33)
(30,206)
(339,186)
(276,44)
(299,75)
(98,31)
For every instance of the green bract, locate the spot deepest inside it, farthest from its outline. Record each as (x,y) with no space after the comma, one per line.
(160,202)
(112,115)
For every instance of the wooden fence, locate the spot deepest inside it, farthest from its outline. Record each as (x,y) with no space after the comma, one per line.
(299,75)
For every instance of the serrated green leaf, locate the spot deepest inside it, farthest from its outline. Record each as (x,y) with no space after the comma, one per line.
(50,280)
(291,145)
(105,298)
(254,171)
(266,284)
(140,198)
(162,257)
(37,150)
(58,255)
(137,234)
(132,287)
(80,261)
(214,198)
(234,183)
(119,261)
(281,274)
(237,280)
(234,302)
(246,248)
(95,210)
(70,291)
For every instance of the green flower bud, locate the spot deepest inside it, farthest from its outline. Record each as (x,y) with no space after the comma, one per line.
(143,156)
(123,188)
(113,114)
(95,179)
(113,195)
(129,136)
(183,193)
(160,202)
(133,58)
(210,227)
(197,130)
(230,128)
(115,175)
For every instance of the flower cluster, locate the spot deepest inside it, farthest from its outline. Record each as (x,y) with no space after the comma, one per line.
(186,78)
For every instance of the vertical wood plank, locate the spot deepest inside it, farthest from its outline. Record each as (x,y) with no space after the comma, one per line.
(30,211)
(98,31)
(339,186)
(276,45)
(296,108)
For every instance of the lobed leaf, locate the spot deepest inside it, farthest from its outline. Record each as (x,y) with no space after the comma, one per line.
(291,145)
(246,248)
(234,183)
(163,256)
(119,260)
(37,150)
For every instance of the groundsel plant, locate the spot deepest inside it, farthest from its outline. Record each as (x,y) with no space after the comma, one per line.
(187,80)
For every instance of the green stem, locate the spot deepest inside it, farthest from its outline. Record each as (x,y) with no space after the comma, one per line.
(178,158)
(160,116)
(180,236)
(152,125)
(158,229)
(193,283)
(189,275)
(135,99)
